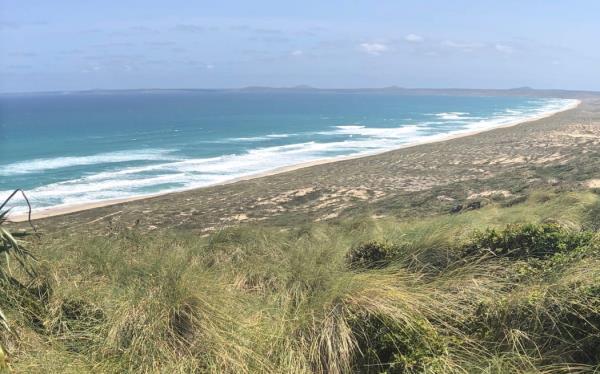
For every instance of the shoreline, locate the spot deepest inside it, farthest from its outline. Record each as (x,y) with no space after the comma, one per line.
(73,208)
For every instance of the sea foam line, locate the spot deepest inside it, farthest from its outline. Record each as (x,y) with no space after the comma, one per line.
(44,164)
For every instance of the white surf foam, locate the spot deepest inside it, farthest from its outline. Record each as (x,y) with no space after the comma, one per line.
(44,164)
(191,173)
(375,132)
(451,115)
(259,138)
(455,116)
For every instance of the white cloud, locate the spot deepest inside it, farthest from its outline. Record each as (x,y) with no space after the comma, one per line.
(414,38)
(506,49)
(91,68)
(209,66)
(467,47)
(374,48)
(297,52)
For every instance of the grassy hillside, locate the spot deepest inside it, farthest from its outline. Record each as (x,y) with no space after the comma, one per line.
(500,289)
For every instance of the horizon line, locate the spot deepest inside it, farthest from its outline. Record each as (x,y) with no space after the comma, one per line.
(296,88)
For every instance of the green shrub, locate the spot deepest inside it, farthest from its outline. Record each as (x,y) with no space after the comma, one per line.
(389,346)
(527,241)
(561,323)
(14,284)
(370,255)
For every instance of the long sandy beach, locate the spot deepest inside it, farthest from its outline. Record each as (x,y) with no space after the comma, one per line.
(66,209)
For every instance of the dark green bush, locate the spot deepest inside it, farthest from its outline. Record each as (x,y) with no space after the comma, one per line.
(527,241)
(370,255)
(592,218)
(388,346)
(561,324)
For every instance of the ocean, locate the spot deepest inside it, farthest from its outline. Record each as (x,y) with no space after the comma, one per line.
(75,148)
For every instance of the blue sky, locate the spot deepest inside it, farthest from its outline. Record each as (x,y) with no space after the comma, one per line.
(70,45)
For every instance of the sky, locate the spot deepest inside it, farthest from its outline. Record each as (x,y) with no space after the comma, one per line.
(128,44)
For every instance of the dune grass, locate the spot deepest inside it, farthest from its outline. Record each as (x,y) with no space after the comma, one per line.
(445,294)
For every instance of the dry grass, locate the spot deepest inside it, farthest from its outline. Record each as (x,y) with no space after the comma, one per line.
(266,299)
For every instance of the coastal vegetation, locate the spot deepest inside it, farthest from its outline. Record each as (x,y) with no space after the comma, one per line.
(11,248)
(504,288)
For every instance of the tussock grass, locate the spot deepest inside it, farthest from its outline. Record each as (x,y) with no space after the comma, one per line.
(442,298)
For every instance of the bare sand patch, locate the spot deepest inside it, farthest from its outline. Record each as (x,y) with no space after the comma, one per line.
(489,193)
(551,158)
(236,217)
(593,183)
(328,216)
(512,160)
(580,135)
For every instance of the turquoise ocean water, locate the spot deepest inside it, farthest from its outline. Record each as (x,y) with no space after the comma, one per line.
(85,147)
